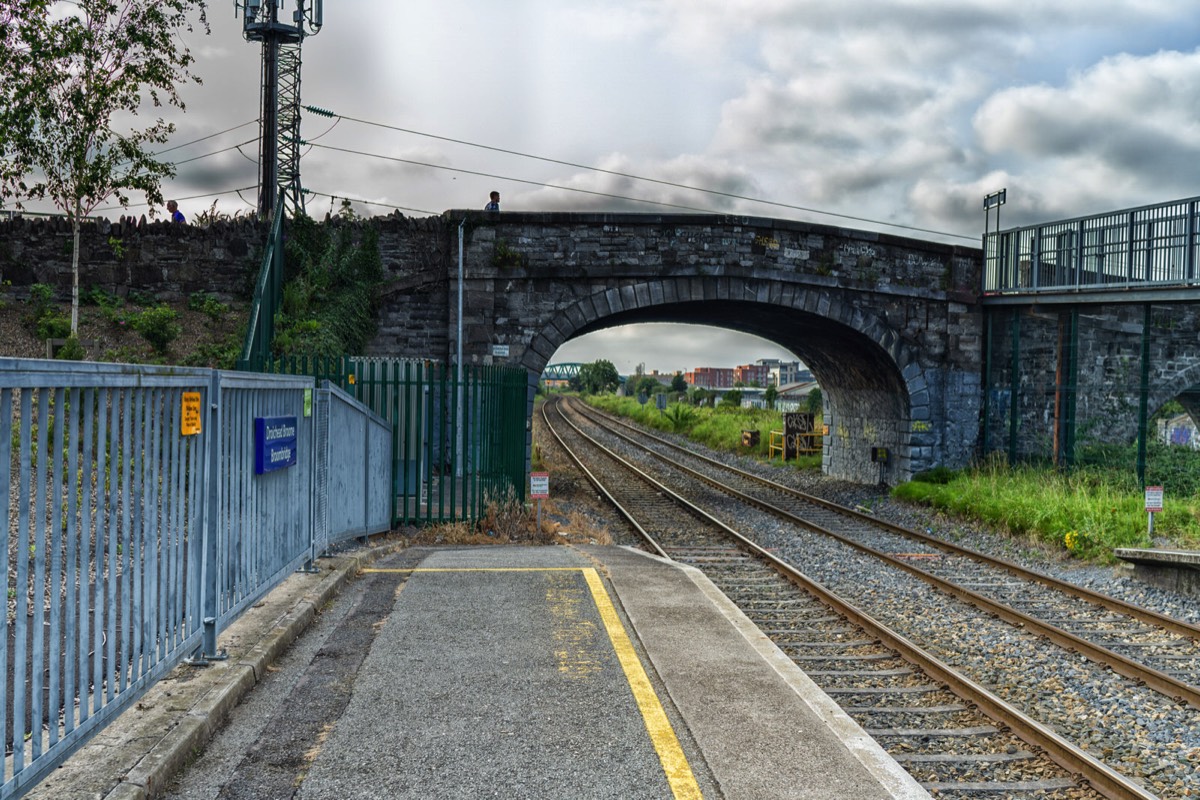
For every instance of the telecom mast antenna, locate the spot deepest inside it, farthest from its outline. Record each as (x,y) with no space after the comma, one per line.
(279,125)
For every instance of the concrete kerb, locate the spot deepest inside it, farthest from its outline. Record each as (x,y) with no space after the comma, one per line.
(133,759)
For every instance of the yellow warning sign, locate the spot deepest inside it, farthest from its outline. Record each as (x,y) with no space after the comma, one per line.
(189,424)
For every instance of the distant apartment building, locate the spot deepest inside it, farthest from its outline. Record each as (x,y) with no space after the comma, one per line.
(710,378)
(752,374)
(782,373)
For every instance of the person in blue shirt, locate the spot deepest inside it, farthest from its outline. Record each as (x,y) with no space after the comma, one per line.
(176,214)
(493,202)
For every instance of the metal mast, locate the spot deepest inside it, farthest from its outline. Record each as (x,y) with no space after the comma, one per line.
(279,124)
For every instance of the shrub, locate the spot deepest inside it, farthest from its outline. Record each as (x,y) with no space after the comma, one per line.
(680,416)
(53,325)
(41,303)
(204,302)
(142,298)
(95,296)
(158,326)
(72,350)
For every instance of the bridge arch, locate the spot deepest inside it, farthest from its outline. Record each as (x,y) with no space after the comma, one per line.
(875,389)
(889,325)
(1184,387)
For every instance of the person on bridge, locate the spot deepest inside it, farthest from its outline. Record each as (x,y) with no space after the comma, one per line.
(493,202)
(176,214)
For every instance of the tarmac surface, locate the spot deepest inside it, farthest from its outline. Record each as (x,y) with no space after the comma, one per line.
(515,672)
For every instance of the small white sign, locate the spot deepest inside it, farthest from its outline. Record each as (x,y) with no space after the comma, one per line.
(539,484)
(1154,499)
(500,350)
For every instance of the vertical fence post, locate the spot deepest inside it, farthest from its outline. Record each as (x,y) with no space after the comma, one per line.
(210,581)
(1015,384)
(987,381)
(1143,398)
(1072,388)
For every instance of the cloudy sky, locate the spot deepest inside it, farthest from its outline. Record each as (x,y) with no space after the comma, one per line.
(905,112)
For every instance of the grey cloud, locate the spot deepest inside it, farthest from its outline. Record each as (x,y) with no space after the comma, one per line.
(1135,116)
(685,171)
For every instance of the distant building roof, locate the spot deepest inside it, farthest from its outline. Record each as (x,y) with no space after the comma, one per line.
(798,389)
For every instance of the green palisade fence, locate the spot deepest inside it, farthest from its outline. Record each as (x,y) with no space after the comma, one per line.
(456,445)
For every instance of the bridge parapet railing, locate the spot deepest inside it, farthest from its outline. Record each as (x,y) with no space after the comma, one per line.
(1148,247)
(139,524)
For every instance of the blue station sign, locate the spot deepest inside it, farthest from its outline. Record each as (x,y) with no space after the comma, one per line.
(274,443)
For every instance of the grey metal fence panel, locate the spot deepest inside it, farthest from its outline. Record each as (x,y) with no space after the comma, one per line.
(100,557)
(359,468)
(321,448)
(132,539)
(263,521)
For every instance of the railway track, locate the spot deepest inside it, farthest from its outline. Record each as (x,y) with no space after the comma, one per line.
(925,712)
(1160,651)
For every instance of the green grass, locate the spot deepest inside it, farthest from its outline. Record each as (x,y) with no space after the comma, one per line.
(718,428)
(1087,512)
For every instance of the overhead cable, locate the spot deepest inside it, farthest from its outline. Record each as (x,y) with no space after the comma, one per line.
(204,138)
(189,197)
(515,180)
(615,173)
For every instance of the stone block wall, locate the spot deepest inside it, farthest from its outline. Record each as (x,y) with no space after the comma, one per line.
(160,258)
(1107,377)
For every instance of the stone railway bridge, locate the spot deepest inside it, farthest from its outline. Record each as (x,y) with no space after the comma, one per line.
(888,325)
(910,356)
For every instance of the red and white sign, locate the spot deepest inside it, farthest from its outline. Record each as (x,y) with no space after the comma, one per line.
(1154,499)
(539,485)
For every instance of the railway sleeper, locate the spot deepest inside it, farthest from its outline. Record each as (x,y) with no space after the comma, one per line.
(950,708)
(837,659)
(859,673)
(978,730)
(949,789)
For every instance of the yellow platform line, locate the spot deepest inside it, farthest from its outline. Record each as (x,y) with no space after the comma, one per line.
(471,569)
(670,754)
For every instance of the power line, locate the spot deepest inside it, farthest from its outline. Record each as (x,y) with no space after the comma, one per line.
(189,197)
(516,180)
(237,147)
(615,173)
(205,138)
(370,202)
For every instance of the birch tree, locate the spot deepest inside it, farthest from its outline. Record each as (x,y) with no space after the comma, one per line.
(75,76)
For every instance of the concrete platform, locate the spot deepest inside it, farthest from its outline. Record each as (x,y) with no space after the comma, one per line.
(537,672)
(1176,570)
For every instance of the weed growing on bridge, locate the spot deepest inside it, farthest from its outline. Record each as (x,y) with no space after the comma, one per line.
(505,257)
(330,295)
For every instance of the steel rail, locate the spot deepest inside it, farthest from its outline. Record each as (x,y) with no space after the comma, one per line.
(1134,670)
(1111,603)
(1177,626)
(650,542)
(1097,774)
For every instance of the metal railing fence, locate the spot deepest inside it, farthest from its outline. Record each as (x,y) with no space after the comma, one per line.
(354,469)
(457,446)
(138,527)
(1152,246)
